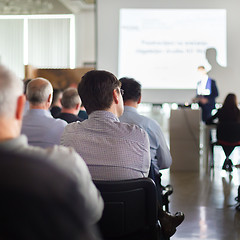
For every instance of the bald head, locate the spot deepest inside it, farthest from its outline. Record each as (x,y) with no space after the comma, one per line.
(39,92)
(11,87)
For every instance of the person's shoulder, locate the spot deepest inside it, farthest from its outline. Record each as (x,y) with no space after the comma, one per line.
(59,122)
(72,127)
(214,81)
(131,131)
(65,158)
(147,122)
(62,152)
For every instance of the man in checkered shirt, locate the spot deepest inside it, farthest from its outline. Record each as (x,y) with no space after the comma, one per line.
(112,150)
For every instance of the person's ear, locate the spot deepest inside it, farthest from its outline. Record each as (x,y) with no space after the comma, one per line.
(20,106)
(139,100)
(49,98)
(78,106)
(116,96)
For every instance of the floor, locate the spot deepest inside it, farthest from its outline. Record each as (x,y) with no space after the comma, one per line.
(207,201)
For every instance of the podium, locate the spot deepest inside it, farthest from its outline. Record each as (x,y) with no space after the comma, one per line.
(185,139)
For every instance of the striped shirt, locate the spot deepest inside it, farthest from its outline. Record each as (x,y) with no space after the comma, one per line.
(112,150)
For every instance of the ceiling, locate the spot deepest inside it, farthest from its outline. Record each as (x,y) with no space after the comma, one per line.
(89,1)
(21,7)
(78,5)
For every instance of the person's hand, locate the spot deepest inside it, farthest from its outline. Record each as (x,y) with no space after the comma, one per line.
(237,166)
(203,100)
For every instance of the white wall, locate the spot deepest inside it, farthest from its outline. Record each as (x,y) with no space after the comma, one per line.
(48,43)
(11,44)
(85,37)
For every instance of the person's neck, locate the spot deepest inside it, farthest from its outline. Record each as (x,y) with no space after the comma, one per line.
(112,110)
(71,111)
(130,103)
(40,106)
(9,129)
(56,105)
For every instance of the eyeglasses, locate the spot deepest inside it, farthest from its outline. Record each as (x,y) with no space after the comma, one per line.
(121,91)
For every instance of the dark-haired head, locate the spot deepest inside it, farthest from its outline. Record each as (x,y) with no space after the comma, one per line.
(132,89)
(96,90)
(230,101)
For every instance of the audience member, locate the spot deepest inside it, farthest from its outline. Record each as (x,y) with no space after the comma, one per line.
(26,108)
(70,106)
(82,113)
(160,154)
(38,124)
(228,129)
(56,105)
(111,149)
(12,102)
(229,111)
(39,201)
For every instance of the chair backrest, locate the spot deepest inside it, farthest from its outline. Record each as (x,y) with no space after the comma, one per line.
(229,132)
(130,209)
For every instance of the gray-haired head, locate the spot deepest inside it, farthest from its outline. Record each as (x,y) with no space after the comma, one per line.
(38,91)
(11,87)
(70,98)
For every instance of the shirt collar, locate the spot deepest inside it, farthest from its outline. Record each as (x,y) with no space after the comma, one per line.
(104,115)
(40,112)
(130,109)
(15,143)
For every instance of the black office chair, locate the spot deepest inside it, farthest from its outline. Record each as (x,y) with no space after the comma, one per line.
(163,192)
(130,210)
(228,136)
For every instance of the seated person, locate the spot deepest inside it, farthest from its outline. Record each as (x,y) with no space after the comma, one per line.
(70,106)
(26,82)
(65,159)
(38,124)
(40,201)
(56,105)
(111,149)
(228,129)
(160,154)
(229,111)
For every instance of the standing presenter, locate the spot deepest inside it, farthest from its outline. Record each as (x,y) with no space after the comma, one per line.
(206,93)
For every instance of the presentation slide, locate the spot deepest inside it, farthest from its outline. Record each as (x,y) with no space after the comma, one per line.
(162,48)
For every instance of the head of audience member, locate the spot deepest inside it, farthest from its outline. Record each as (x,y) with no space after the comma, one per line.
(12,102)
(100,90)
(39,93)
(230,101)
(57,95)
(70,101)
(26,82)
(132,91)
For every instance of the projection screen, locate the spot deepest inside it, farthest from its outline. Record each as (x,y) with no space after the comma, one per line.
(162,43)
